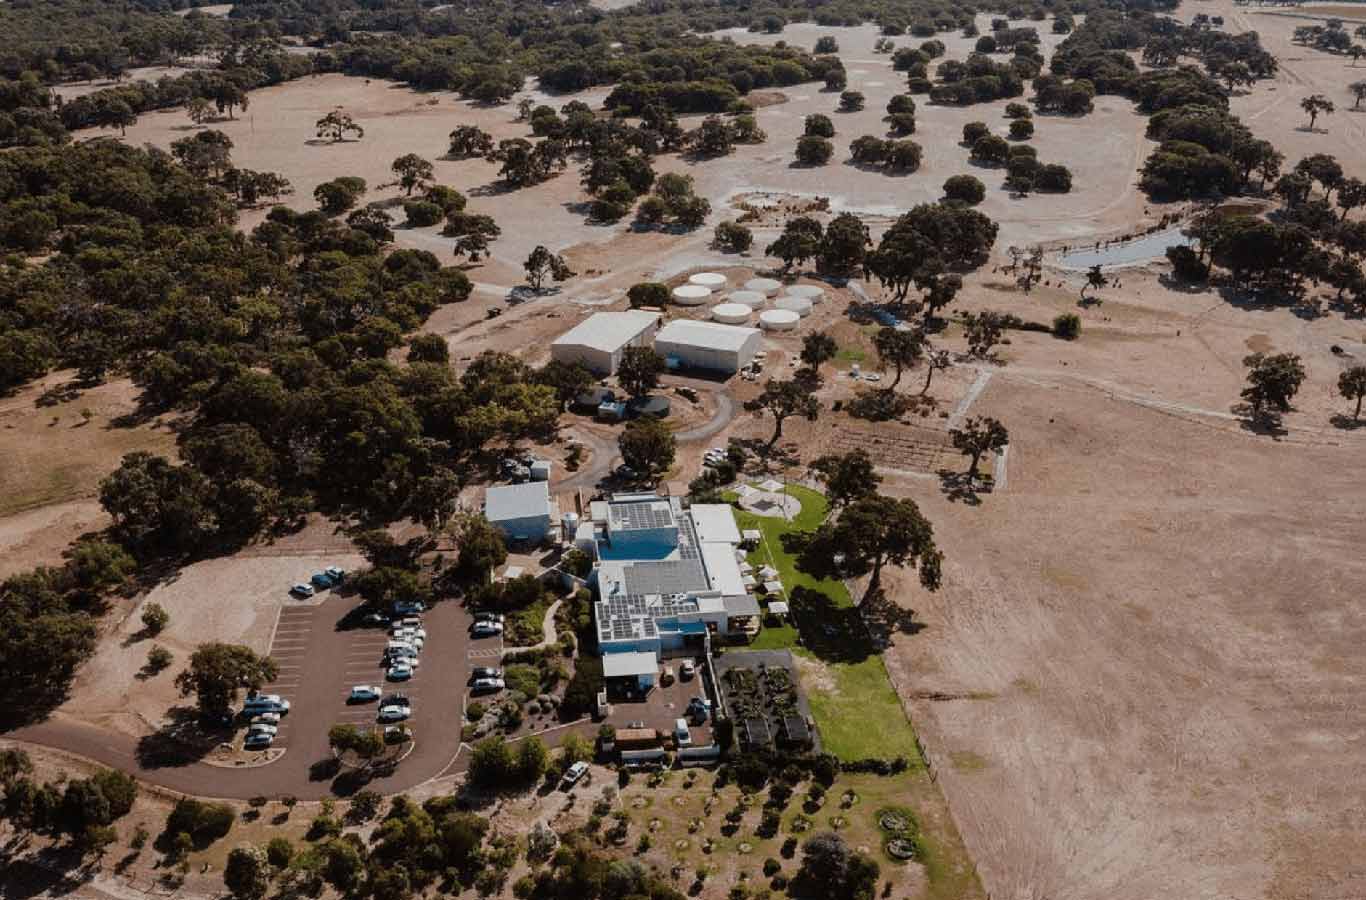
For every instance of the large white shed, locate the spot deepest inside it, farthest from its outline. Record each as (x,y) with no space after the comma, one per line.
(599,340)
(707,345)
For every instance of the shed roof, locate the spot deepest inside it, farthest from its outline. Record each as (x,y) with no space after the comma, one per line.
(715,523)
(620,665)
(705,334)
(608,331)
(517,501)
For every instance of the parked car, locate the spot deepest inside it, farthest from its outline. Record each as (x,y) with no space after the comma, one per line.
(337,574)
(666,677)
(396,700)
(302,590)
(486,629)
(267,718)
(402,657)
(574,773)
(688,669)
(363,693)
(377,619)
(263,728)
(395,734)
(682,736)
(409,607)
(394,713)
(485,672)
(406,632)
(264,703)
(488,617)
(399,672)
(321,581)
(486,685)
(697,711)
(410,622)
(258,741)
(626,473)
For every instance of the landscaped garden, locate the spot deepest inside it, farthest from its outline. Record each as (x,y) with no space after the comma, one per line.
(859,715)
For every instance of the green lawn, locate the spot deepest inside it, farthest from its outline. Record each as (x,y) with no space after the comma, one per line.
(862,716)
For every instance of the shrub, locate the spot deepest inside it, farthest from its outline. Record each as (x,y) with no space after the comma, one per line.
(732,237)
(1186,263)
(827,44)
(1022,129)
(155,618)
(201,822)
(1053,177)
(974,132)
(1018,111)
(648,293)
(901,124)
(279,851)
(901,103)
(918,85)
(851,101)
(772,867)
(1067,326)
(526,679)
(814,151)
(158,659)
(422,213)
(991,149)
(965,189)
(818,125)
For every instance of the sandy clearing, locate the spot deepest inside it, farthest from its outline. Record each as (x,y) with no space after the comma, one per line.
(234,599)
(40,536)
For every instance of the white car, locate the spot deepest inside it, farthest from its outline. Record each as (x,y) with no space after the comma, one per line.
(575,772)
(363,693)
(409,637)
(263,728)
(688,669)
(407,633)
(480,685)
(400,647)
(399,672)
(411,622)
(268,718)
(394,713)
(486,629)
(395,734)
(302,590)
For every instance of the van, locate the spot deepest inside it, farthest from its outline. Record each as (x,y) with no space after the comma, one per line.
(682,736)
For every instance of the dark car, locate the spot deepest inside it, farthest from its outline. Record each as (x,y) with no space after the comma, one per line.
(485,672)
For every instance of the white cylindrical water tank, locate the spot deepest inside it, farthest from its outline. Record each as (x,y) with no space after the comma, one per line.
(811,292)
(778,319)
(691,295)
(731,313)
(766,286)
(799,305)
(752,299)
(710,280)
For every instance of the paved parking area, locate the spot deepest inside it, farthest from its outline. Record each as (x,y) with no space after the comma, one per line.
(664,705)
(319,663)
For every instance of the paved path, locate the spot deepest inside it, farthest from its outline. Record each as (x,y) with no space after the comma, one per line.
(548,635)
(725,411)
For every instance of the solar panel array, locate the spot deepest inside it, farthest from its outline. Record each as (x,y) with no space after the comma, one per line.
(651,515)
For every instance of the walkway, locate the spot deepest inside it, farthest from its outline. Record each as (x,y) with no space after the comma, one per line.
(549,637)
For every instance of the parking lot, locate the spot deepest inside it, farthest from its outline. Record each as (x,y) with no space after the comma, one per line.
(320,663)
(664,705)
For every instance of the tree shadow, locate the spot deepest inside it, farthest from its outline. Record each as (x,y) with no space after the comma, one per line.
(185,740)
(884,618)
(1260,421)
(1347,423)
(833,633)
(959,487)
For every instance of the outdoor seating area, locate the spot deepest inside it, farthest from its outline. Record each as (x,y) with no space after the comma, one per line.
(768,498)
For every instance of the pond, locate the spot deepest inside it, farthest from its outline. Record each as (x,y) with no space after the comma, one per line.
(1140,249)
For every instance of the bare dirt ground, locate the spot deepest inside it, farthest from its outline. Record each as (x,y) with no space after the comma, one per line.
(1152,629)
(235,598)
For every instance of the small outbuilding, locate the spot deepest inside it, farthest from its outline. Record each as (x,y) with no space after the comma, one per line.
(521,511)
(599,341)
(690,344)
(632,673)
(654,406)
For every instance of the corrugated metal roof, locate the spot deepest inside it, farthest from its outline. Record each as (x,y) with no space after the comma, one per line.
(705,334)
(608,331)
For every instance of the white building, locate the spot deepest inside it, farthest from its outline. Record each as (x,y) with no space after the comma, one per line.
(599,340)
(523,512)
(690,344)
